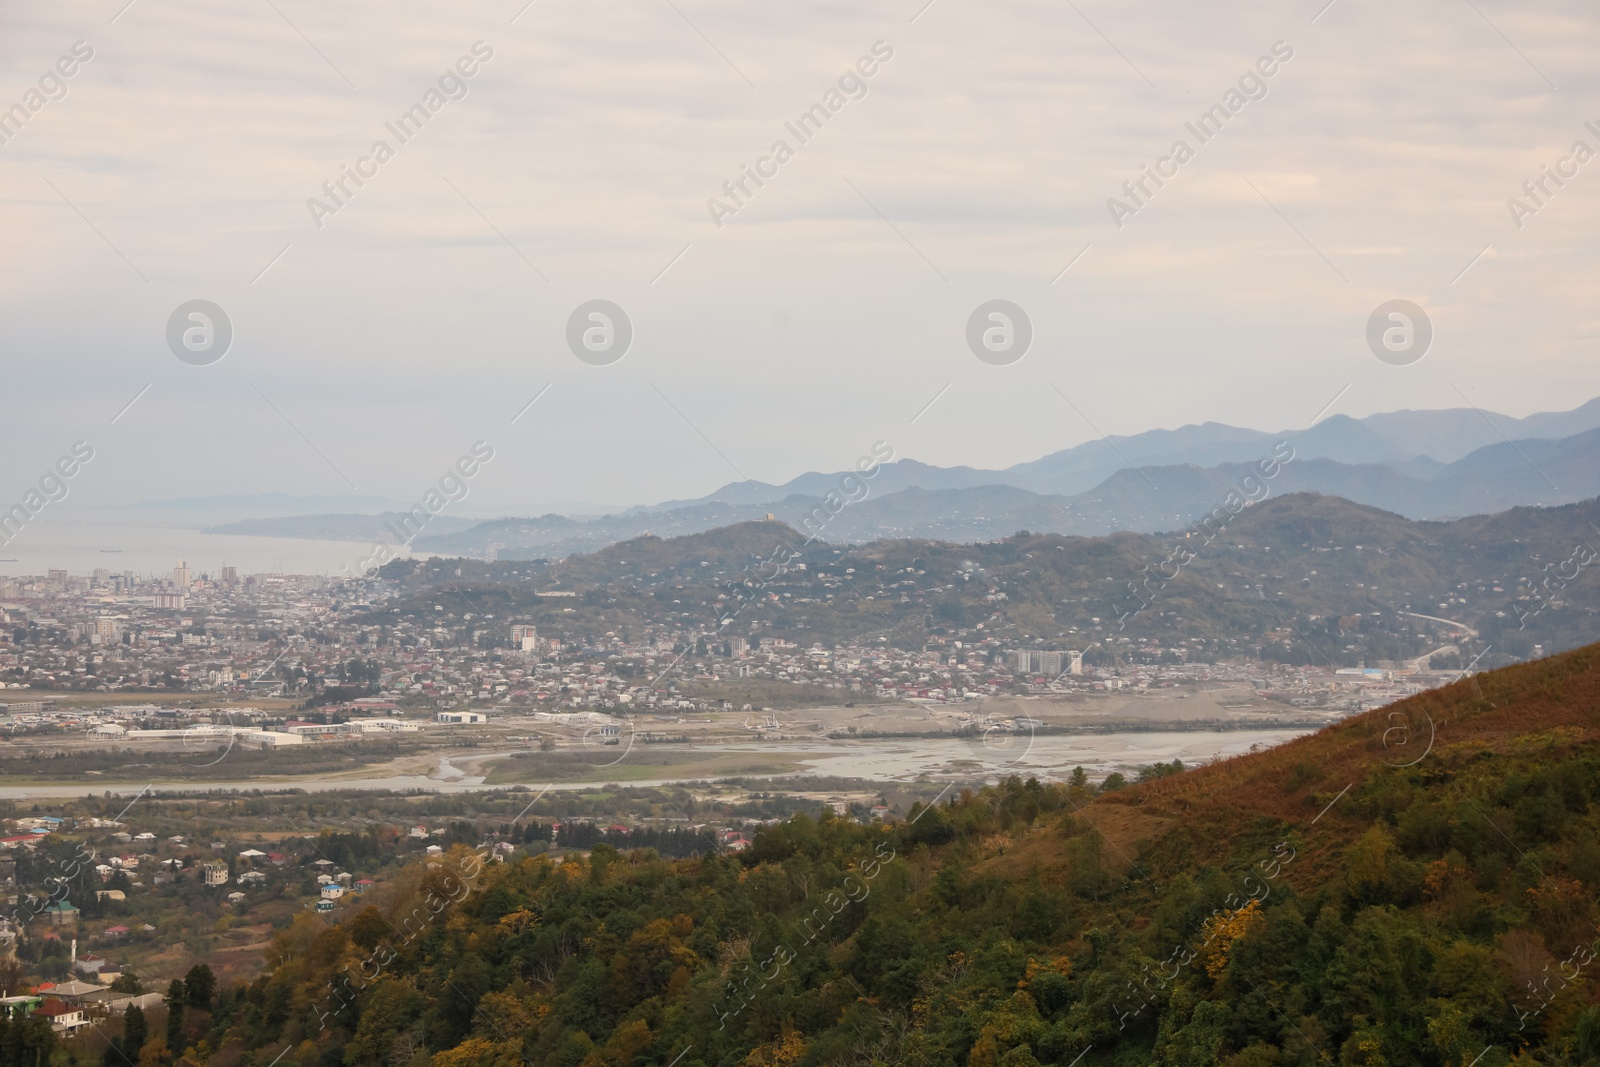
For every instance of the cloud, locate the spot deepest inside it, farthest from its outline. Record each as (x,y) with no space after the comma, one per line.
(977,166)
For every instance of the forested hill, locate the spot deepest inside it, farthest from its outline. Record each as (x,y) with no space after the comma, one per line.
(1414,886)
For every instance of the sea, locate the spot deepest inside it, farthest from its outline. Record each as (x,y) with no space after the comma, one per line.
(81,548)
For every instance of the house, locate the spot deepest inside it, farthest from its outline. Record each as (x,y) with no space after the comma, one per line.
(62,913)
(363,884)
(236,897)
(110,894)
(252,878)
(63,1018)
(116,933)
(332,892)
(324,905)
(89,964)
(277,859)
(214,873)
(19,1006)
(252,854)
(76,992)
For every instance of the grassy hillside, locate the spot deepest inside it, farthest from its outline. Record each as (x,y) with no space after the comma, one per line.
(1413,886)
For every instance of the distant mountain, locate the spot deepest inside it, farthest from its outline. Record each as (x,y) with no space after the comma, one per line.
(1420,464)
(1414,442)
(1146,499)
(1312,578)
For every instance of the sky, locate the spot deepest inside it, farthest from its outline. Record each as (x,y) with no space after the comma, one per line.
(381,331)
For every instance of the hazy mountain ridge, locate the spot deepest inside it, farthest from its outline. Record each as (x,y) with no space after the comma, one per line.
(1150,499)
(1300,578)
(1181,475)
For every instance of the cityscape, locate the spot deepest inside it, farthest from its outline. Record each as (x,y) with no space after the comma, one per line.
(701,534)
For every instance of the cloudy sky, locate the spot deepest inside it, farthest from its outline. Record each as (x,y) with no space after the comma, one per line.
(431,304)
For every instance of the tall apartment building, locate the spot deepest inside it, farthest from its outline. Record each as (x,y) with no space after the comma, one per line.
(1039,661)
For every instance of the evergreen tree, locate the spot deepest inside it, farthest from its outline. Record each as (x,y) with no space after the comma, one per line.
(135,1030)
(175,998)
(199,986)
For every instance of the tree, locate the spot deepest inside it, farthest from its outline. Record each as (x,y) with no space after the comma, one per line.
(127,982)
(135,1030)
(11,972)
(199,986)
(369,928)
(175,998)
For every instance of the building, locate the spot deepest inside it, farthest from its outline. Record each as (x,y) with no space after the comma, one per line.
(525,637)
(214,873)
(456,718)
(62,913)
(89,963)
(269,738)
(319,729)
(63,1018)
(19,1006)
(1038,661)
(180,576)
(75,992)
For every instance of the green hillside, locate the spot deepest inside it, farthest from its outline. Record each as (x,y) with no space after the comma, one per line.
(1412,886)
(1301,579)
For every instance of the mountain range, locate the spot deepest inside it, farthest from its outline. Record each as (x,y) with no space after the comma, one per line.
(1420,464)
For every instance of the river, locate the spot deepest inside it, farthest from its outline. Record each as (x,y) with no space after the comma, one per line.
(1045,756)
